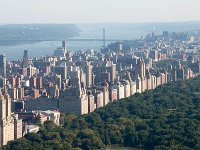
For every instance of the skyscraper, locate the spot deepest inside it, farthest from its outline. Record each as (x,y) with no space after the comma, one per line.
(64,45)
(25,58)
(64,48)
(88,71)
(113,72)
(3,65)
(140,68)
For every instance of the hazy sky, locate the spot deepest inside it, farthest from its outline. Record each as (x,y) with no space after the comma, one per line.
(78,11)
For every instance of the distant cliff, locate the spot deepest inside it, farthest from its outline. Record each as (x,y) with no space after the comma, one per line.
(18,33)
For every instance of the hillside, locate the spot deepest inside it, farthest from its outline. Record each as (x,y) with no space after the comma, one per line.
(165,118)
(21,33)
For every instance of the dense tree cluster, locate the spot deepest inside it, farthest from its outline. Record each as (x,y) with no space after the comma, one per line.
(165,118)
(167,62)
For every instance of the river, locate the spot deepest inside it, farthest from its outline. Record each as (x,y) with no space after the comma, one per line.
(88,31)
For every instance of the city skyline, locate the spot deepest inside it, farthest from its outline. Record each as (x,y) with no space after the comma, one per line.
(128,11)
(99,74)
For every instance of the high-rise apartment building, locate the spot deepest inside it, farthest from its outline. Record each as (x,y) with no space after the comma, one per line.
(7,121)
(74,99)
(88,70)
(61,70)
(39,82)
(113,72)
(140,68)
(33,82)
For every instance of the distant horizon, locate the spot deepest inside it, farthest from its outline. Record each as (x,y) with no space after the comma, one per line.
(75,23)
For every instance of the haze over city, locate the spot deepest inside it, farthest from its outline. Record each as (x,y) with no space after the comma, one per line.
(93,11)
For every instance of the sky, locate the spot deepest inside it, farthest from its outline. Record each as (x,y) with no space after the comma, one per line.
(98,11)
